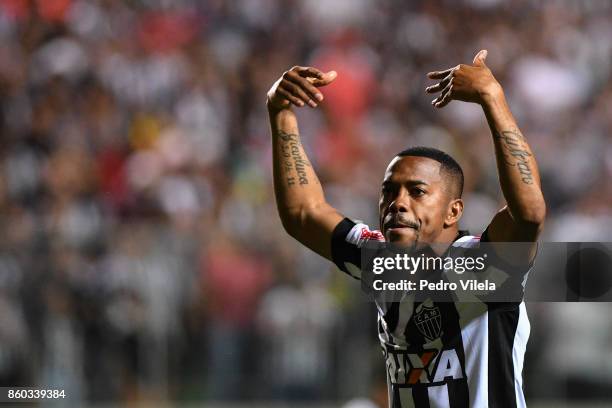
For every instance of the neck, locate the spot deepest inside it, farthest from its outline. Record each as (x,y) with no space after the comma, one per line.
(445,239)
(441,243)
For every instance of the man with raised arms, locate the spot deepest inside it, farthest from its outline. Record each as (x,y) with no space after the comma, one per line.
(437,354)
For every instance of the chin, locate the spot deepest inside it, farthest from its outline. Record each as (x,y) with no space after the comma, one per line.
(403,236)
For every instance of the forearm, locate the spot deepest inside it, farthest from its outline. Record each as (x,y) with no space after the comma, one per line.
(517,168)
(296,185)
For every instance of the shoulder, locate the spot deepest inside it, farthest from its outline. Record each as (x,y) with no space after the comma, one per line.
(347,240)
(467,241)
(361,233)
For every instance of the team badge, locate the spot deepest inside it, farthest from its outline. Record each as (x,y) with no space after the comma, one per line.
(429,321)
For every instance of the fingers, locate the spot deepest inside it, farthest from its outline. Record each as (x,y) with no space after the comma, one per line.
(315,76)
(289,96)
(461,79)
(445,97)
(309,72)
(440,85)
(446,86)
(440,74)
(326,79)
(298,92)
(301,87)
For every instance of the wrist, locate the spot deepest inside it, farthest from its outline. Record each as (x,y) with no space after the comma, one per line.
(275,109)
(491,93)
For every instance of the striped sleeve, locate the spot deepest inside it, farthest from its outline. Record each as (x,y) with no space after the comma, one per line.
(347,239)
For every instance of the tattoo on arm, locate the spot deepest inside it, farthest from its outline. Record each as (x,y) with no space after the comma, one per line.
(293,158)
(515,153)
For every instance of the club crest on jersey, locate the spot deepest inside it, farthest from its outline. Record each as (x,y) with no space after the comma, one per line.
(429,321)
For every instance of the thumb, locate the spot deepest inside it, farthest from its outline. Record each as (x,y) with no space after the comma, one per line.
(326,79)
(330,76)
(479,59)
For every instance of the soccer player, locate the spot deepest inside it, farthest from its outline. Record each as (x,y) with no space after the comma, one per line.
(472,354)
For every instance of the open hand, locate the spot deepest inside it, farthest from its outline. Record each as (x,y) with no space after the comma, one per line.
(469,83)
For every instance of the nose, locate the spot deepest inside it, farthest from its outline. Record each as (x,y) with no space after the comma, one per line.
(401,203)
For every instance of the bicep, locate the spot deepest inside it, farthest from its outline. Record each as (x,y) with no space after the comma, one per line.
(504,229)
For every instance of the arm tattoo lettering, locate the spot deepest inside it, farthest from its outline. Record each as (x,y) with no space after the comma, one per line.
(515,153)
(293,158)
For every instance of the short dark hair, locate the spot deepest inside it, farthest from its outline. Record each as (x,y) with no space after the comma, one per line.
(449,165)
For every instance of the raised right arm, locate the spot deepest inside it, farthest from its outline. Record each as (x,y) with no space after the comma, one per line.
(301,204)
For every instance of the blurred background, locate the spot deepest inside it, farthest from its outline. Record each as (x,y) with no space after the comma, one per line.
(141,257)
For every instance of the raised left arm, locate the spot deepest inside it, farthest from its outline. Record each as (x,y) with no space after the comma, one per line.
(521,220)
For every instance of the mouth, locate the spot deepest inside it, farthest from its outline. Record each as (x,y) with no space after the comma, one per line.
(397,225)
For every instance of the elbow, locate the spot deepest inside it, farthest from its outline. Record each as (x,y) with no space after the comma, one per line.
(290,225)
(293,219)
(290,221)
(533,216)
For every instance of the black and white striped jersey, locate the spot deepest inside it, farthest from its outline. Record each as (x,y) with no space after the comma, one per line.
(444,354)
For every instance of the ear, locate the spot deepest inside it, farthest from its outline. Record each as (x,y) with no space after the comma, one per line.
(453,213)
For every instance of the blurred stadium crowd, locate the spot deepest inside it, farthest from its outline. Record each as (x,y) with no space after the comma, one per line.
(141,255)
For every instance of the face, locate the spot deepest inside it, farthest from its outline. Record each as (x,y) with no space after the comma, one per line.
(414,203)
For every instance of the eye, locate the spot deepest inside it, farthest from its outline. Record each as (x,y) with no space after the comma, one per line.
(416,191)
